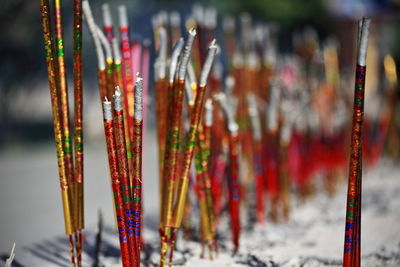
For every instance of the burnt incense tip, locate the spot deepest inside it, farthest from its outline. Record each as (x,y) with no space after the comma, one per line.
(123,16)
(210,18)
(174,59)
(230,116)
(163,17)
(92,28)
(189,92)
(107,110)
(117,91)
(209,112)
(212,51)
(198,12)
(363,41)
(191,74)
(146,43)
(107,20)
(161,60)
(117,99)
(254,117)
(228,23)
(10,259)
(192,32)
(175,19)
(213,44)
(116,51)
(105,43)
(138,98)
(229,84)
(162,32)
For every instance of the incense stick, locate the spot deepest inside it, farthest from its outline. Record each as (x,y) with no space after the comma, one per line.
(161,94)
(137,162)
(118,199)
(257,147)
(78,123)
(351,255)
(126,68)
(107,22)
(101,73)
(206,152)
(110,83)
(49,45)
(233,183)
(207,217)
(63,93)
(50,61)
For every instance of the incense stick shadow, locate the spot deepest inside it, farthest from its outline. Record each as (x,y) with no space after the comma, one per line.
(44,255)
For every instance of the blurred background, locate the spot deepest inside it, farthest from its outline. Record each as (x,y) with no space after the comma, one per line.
(30,204)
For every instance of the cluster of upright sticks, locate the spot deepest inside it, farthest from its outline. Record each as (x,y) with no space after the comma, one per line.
(70,157)
(176,156)
(123,126)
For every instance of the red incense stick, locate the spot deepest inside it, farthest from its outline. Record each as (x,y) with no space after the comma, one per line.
(137,163)
(351,255)
(126,68)
(258,160)
(78,123)
(116,183)
(233,180)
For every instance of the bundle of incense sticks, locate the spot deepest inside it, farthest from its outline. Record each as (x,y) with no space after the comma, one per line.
(233,182)
(124,133)
(175,180)
(69,153)
(352,242)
